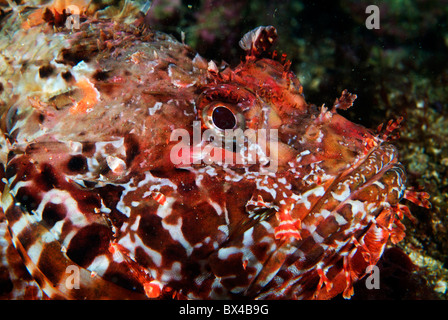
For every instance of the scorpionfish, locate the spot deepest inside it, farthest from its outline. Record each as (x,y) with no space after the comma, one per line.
(134,168)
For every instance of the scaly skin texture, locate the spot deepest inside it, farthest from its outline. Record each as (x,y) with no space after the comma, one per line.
(97,208)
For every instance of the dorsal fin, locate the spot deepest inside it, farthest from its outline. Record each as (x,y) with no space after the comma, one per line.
(258,40)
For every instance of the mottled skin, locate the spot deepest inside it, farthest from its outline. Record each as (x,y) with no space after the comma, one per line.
(89,182)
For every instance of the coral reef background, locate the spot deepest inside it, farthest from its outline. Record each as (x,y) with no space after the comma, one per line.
(400,69)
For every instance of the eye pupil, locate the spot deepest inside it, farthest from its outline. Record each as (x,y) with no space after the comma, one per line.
(223,118)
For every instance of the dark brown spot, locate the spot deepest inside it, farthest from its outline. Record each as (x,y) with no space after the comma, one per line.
(28,199)
(174,252)
(53,213)
(202,214)
(108,88)
(27,237)
(156,237)
(101,75)
(88,148)
(184,179)
(151,230)
(78,164)
(67,76)
(313,253)
(87,202)
(11,170)
(49,263)
(187,187)
(327,227)
(11,156)
(142,258)
(89,184)
(88,243)
(346,212)
(46,71)
(47,179)
(120,275)
(6,285)
(132,148)
(13,214)
(73,56)
(2,180)
(1,87)
(48,16)
(261,250)
(168,173)
(24,66)
(105,170)
(111,195)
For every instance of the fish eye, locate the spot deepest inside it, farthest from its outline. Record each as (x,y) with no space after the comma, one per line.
(225,107)
(223,118)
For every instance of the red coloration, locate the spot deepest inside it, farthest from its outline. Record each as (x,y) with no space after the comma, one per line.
(345,101)
(89,97)
(392,125)
(417,197)
(324,282)
(159,197)
(258,41)
(152,289)
(287,227)
(101,184)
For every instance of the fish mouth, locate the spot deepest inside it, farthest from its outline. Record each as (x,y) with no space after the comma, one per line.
(344,229)
(380,178)
(358,195)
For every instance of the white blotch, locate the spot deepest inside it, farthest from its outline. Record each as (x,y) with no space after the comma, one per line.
(157,106)
(216,206)
(317,238)
(248,240)
(176,234)
(116,164)
(224,253)
(317,192)
(134,227)
(343,196)
(172,274)
(339,219)
(100,264)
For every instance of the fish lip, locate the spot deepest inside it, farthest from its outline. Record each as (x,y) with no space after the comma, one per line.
(379,173)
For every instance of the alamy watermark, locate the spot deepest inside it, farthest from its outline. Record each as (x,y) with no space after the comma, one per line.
(72,21)
(373,20)
(73,18)
(73,277)
(373,278)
